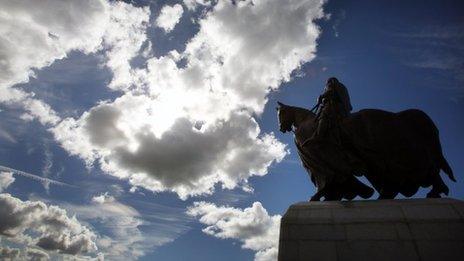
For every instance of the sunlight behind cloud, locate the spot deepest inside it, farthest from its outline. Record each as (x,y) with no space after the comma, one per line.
(186,129)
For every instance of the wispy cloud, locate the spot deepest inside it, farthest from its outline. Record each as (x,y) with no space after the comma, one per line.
(226,197)
(5,135)
(338,19)
(438,48)
(48,160)
(45,181)
(130,229)
(433,32)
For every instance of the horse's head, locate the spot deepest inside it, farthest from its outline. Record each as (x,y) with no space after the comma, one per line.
(285,117)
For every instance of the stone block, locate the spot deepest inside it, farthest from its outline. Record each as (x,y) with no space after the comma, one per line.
(438,231)
(324,250)
(317,232)
(459,207)
(440,250)
(316,215)
(369,213)
(288,250)
(415,229)
(433,211)
(374,231)
(378,250)
(403,231)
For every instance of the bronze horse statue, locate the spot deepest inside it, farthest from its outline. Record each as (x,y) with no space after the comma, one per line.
(396,152)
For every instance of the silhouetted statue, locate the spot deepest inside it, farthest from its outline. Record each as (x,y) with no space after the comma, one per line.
(396,152)
(335,105)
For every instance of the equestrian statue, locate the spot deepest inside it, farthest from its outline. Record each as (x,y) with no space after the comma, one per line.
(396,152)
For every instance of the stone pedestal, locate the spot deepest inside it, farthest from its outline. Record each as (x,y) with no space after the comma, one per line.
(409,229)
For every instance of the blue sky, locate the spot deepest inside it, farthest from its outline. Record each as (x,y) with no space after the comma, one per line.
(107,85)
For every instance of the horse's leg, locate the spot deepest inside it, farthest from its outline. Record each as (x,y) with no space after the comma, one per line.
(438,186)
(374,173)
(316,197)
(364,191)
(333,197)
(408,190)
(350,192)
(319,194)
(334,193)
(387,193)
(348,188)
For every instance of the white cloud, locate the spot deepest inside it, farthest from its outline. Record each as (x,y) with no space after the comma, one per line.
(51,28)
(33,254)
(37,109)
(30,254)
(123,38)
(48,227)
(185,129)
(193,4)
(33,34)
(252,226)
(103,198)
(6,179)
(184,159)
(169,17)
(247,49)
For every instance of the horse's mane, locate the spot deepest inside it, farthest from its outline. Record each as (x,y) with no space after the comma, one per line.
(302,110)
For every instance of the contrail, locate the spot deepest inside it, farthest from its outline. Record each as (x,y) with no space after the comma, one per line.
(46,182)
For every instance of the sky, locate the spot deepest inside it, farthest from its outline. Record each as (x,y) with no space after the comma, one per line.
(147,130)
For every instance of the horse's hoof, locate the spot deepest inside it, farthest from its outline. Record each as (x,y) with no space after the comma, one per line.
(350,195)
(433,195)
(446,190)
(385,197)
(367,193)
(386,194)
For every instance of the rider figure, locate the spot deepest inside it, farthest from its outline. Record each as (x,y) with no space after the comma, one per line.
(335,105)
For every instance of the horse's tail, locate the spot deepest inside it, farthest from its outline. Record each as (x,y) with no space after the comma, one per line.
(446,167)
(442,162)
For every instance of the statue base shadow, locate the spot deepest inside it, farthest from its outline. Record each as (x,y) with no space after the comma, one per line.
(406,229)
